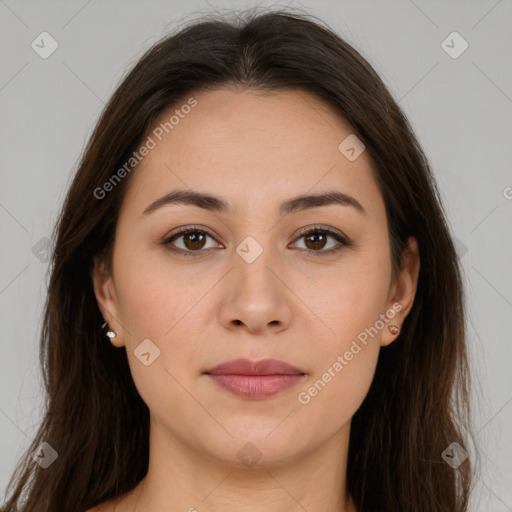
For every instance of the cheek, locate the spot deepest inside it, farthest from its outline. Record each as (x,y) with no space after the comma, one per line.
(155,298)
(344,363)
(160,302)
(331,399)
(158,306)
(346,358)
(355,297)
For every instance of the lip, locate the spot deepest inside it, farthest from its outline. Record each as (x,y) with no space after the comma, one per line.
(255,380)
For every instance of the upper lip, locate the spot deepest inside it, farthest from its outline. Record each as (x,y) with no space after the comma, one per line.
(248,367)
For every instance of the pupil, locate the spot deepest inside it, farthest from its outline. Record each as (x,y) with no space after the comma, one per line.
(316,237)
(194,238)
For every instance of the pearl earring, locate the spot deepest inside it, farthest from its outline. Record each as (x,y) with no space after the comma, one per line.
(394,329)
(110,333)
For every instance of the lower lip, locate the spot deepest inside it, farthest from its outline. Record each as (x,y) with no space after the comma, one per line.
(256,387)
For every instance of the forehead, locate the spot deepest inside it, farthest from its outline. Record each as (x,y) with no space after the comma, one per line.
(253,146)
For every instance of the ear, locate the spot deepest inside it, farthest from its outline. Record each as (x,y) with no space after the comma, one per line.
(105,293)
(403,289)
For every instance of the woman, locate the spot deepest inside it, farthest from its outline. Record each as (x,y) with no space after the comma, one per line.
(255,302)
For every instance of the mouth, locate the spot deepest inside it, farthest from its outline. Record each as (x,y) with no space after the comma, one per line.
(255,380)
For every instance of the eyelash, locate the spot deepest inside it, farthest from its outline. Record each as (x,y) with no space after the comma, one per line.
(343,241)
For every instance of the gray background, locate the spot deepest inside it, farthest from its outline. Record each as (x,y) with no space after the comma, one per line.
(459,107)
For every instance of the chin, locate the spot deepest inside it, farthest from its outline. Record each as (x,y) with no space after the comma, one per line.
(258,446)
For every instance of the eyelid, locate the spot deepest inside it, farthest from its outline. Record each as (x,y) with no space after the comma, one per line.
(189,229)
(326,229)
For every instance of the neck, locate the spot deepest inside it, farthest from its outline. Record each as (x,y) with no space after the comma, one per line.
(181,476)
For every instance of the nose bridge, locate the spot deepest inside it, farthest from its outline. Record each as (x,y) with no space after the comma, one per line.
(256,297)
(255,263)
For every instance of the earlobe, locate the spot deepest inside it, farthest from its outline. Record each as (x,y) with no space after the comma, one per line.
(403,291)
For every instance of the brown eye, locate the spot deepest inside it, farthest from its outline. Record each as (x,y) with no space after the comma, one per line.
(188,241)
(194,240)
(316,239)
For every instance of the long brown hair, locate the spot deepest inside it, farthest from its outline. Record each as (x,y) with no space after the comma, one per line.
(418,403)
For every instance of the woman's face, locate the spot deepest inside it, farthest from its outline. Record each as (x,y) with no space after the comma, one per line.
(246,282)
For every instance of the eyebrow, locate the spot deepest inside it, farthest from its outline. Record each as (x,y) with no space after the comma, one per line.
(217,204)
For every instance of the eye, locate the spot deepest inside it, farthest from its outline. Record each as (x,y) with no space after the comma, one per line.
(316,240)
(193,239)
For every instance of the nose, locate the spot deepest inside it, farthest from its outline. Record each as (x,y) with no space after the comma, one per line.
(256,297)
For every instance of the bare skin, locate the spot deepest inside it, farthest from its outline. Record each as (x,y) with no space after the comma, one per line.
(295,302)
